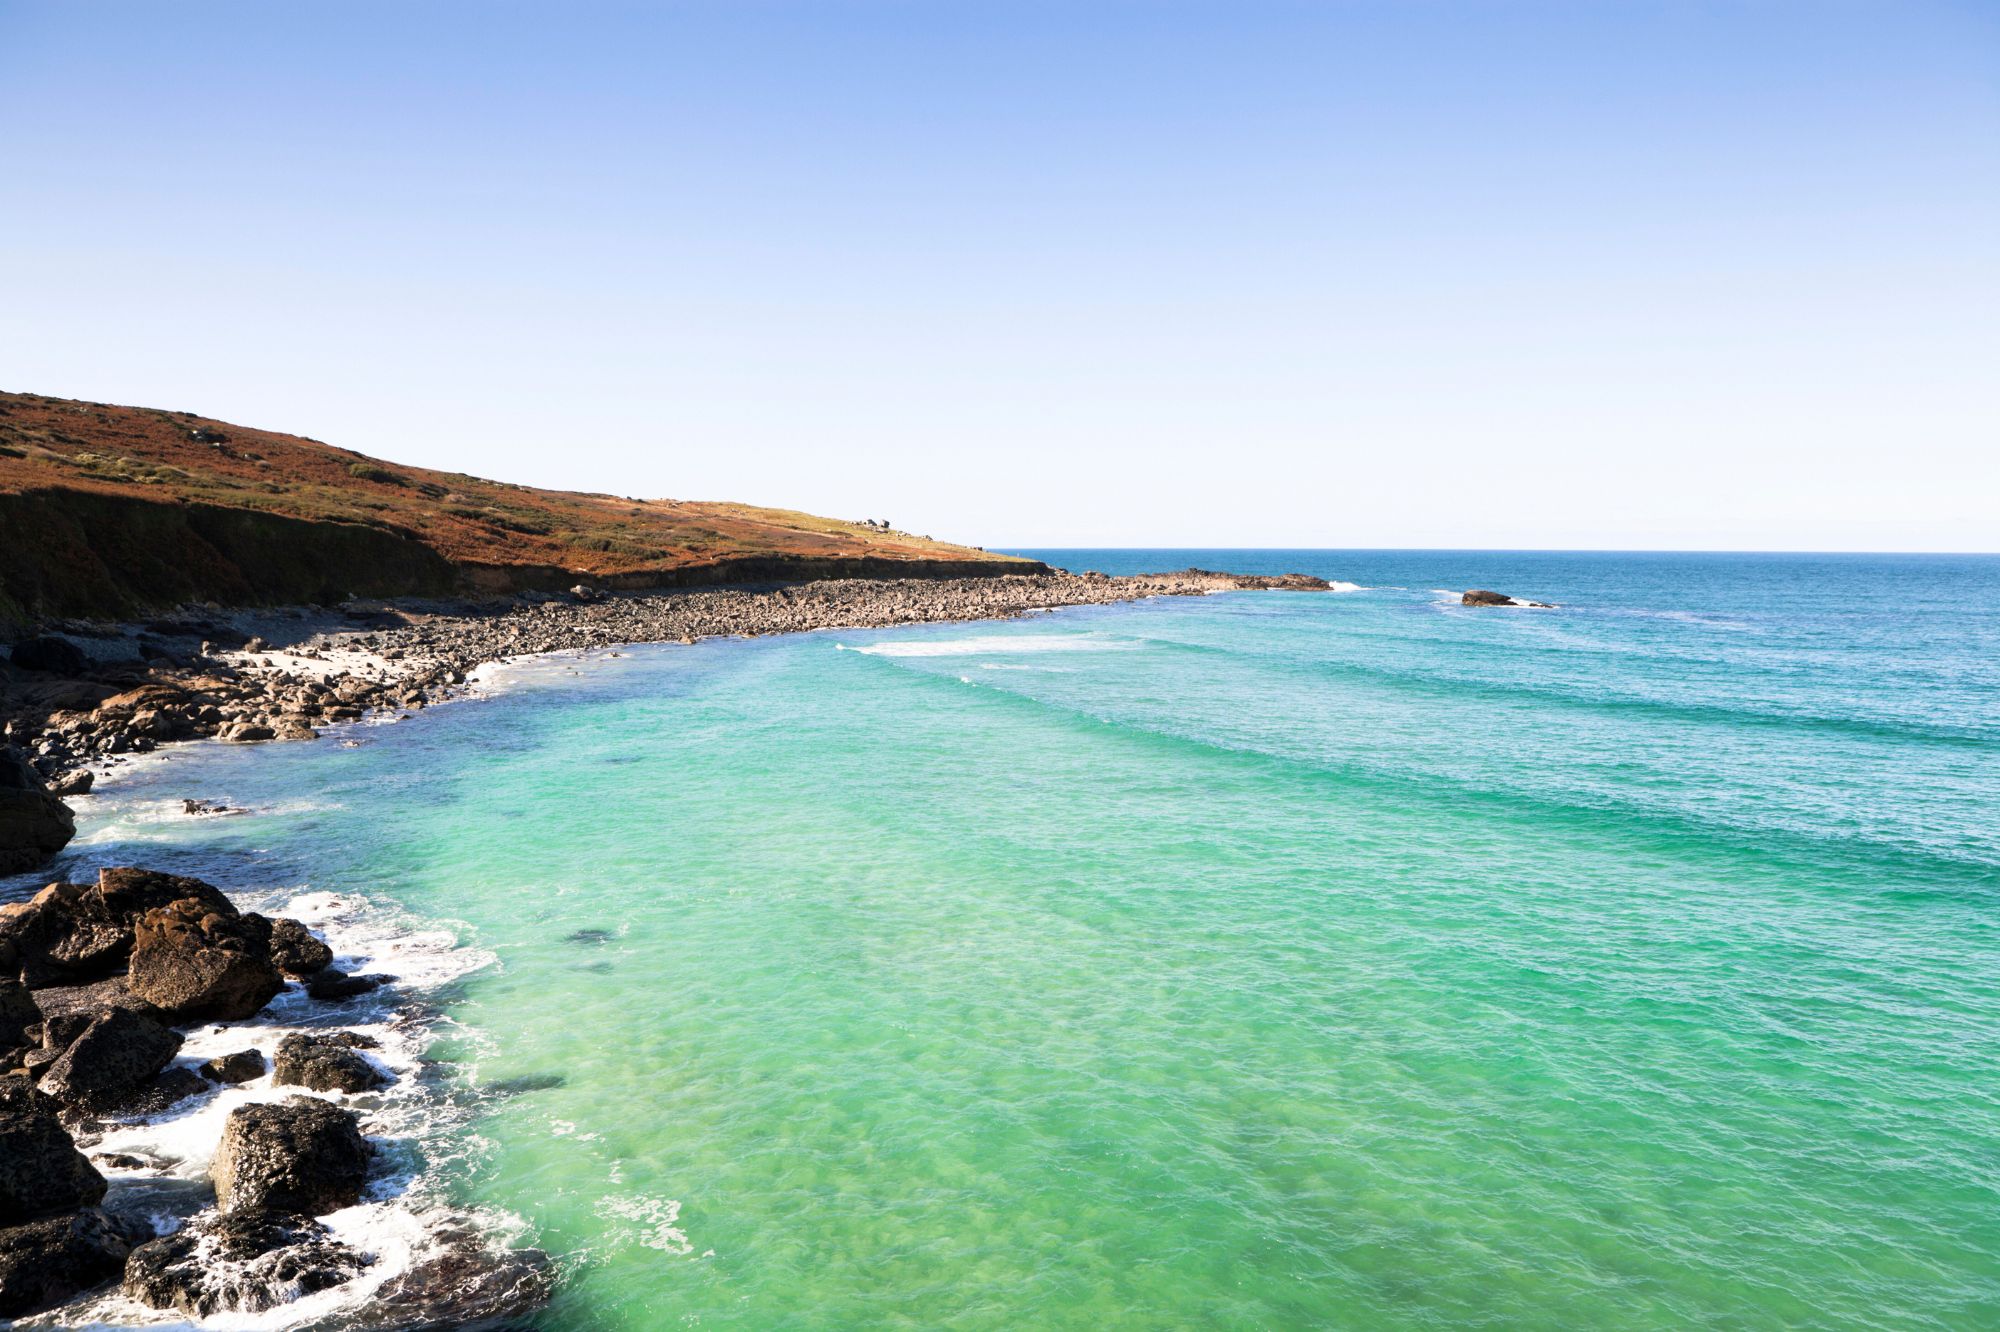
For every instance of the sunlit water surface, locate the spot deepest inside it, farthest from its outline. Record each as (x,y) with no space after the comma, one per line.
(1254,961)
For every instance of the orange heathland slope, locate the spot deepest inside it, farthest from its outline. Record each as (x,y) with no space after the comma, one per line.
(180,458)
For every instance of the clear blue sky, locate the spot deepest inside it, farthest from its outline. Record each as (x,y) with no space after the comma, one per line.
(1485,274)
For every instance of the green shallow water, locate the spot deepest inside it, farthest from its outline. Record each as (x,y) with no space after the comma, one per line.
(1251,962)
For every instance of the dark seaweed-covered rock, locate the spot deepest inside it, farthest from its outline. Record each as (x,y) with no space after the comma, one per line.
(333,985)
(466,1283)
(167,1088)
(104,1066)
(325,1063)
(295,950)
(34,824)
(242,1262)
(301,1154)
(231,1068)
(41,1171)
(51,1261)
(198,963)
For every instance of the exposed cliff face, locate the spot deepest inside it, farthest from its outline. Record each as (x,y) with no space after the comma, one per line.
(76,553)
(115,511)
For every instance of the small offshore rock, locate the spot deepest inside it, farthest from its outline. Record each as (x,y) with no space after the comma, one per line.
(50,1262)
(238,1262)
(1480,596)
(325,1063)
(301,1154)
(76,784)
(241,1066)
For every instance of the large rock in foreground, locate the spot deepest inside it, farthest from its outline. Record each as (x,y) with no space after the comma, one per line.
(242,1262)
(300,1154)
(41,1171)
(198,963)
(74,933)
(50,1262)
(34,825)
(105,1065)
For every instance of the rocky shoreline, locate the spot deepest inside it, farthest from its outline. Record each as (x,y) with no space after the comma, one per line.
(79,697)
(103,985)
(100,983)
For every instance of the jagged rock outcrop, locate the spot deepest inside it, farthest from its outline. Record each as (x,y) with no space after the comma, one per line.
(295,950)
(109,1059)
(195,962)
(34,824)
(240,1262)
(72,933)
(326,1063)
(301,1154)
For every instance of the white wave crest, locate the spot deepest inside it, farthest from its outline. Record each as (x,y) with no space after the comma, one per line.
(986,645)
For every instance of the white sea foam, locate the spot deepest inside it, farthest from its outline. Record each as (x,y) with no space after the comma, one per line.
(657,1223)
(417,1127)
(995,645)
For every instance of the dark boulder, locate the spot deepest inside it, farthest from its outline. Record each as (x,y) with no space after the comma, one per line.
(17,1013)
(166,1089)
(333,985)
(301,1154)
(238,1262)
(295,950)
(231,1068)
(50,1262)
(1480,596)
(34,824)
(325,1063)
(104,1067)
(465,1283)
(51,656)
(198,963)
(75,784)
(41,1171)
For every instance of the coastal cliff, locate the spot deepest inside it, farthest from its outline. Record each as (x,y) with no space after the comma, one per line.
(113,512)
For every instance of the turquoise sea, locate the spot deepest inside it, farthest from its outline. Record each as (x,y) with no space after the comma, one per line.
(1262,960)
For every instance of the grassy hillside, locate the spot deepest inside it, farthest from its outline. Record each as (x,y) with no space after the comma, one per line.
(108,510)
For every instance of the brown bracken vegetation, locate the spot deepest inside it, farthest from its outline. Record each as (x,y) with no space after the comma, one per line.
(107,512)
(181,458)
